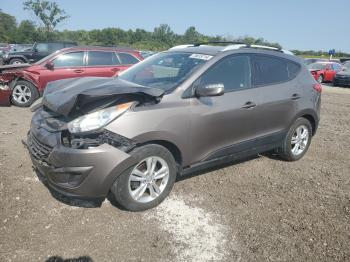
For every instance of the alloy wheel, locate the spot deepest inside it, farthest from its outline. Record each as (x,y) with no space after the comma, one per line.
(21,94)
(148,179)
(299,140)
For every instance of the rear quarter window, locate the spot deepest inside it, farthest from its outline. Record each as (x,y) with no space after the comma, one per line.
(272,70)
(127,59)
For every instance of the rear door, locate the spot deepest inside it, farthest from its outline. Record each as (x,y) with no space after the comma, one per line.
(102,63)
(66,65)
(224,125)
(274,78)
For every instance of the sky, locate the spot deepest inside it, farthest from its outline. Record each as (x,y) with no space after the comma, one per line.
(295,24)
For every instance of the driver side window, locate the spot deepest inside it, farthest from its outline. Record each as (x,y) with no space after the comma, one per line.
(69,60)
(233,72)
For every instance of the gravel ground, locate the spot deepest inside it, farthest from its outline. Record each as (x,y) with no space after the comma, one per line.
(258,210)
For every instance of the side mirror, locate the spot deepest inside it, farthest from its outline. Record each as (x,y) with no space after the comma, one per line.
(35,50)
(210,90)
(49,65)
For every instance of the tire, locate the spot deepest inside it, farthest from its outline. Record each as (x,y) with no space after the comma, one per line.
(24,93)
(16,61)
(289,150)
(124,188)
(320,79)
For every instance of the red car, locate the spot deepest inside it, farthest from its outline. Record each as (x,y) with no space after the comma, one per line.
(324,71)
(27,84)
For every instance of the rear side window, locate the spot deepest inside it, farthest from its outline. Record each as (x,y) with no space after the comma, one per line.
(69,60)
(232,71)
(127,59)
(272,70)
(55,46)
(42,47)
(98,58)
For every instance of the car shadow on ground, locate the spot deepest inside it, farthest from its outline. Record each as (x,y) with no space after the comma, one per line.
(98,203)
(78,259)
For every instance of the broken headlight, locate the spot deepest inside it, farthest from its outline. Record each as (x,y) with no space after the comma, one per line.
(98,119)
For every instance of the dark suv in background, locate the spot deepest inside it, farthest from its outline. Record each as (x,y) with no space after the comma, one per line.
(179,111)
(37,52)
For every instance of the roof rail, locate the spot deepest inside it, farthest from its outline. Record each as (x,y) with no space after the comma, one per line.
(219,42)
(180,46)
(237,46)
(232,45)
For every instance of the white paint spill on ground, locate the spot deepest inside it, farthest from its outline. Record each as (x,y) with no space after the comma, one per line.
(197,235)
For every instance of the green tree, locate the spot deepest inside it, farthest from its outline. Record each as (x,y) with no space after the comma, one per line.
(191,35)
(7,27)
(26,32)
(49,13)
(164,34)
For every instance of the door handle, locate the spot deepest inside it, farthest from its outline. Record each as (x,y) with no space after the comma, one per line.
(295,96)
(248,105)
(79,71)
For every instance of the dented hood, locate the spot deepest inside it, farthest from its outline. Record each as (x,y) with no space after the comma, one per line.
(68,96)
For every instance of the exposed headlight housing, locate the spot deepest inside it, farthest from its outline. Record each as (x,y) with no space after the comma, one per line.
(98,119)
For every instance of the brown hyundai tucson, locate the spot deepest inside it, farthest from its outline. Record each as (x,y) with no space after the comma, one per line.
(179,111)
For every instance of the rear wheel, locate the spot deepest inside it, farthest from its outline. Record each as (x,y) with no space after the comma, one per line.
(16,61)
(146,184)
(297,141)
(24,93)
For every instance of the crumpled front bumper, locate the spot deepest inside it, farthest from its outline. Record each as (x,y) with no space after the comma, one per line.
(81,173)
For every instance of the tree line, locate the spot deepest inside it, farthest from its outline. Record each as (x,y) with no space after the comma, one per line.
(50,15)
(161,38)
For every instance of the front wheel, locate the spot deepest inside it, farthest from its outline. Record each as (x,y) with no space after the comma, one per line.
(297,141)
(24,93)
(146,184)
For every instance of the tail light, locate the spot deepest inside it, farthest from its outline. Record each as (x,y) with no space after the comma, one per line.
(317,87)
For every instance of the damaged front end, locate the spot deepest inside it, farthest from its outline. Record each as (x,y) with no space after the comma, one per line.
(8,76)
(67,140)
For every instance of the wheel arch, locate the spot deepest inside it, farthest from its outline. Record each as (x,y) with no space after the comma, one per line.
(311,117)
(173,149)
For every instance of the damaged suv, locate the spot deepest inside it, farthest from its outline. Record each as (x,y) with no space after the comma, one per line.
(179,111)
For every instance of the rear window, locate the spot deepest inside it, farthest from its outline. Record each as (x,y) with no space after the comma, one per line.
(98,58)
(272,70)
(127,59)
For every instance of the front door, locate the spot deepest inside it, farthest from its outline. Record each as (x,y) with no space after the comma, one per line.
(226,124)
(67,65)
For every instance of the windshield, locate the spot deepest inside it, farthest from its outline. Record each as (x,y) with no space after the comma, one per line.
(316,66)
(164,70)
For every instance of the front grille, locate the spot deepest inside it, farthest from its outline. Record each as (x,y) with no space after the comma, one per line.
(39,150)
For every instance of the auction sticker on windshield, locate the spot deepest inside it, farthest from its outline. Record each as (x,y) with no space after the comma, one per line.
(201,56)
